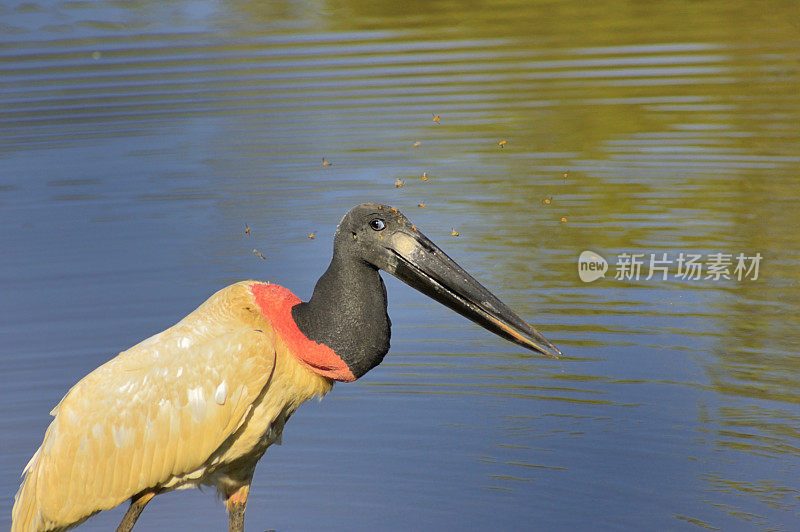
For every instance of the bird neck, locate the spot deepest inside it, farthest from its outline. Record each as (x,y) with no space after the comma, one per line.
(347,312)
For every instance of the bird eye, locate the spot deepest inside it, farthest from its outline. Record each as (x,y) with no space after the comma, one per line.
(377,224)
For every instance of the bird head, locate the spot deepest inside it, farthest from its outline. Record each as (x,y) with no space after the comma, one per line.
(384,238)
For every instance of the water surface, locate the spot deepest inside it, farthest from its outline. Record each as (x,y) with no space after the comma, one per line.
(139,139)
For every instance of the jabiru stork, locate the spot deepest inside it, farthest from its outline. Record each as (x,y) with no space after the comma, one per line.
(199,403)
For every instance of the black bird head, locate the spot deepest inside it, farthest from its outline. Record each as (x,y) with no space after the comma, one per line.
(381,236)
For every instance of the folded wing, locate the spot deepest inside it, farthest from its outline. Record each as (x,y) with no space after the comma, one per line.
(151,417)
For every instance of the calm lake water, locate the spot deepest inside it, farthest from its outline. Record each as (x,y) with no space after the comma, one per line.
(138,139)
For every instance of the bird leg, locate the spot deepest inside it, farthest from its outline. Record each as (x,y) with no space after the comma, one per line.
(236,503)
(137,505)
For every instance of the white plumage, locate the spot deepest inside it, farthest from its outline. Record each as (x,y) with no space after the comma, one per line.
(195,404)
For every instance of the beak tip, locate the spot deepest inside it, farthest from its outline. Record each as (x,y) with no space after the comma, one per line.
(539,344)
(553,352)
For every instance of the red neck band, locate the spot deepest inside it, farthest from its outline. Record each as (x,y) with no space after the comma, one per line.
(276,304)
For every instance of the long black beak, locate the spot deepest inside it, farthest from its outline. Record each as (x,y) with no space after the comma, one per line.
(418,262)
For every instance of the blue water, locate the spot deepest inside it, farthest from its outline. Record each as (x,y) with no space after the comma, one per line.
(139,140)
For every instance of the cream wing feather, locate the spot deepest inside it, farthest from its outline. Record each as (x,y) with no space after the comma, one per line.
(151,417)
